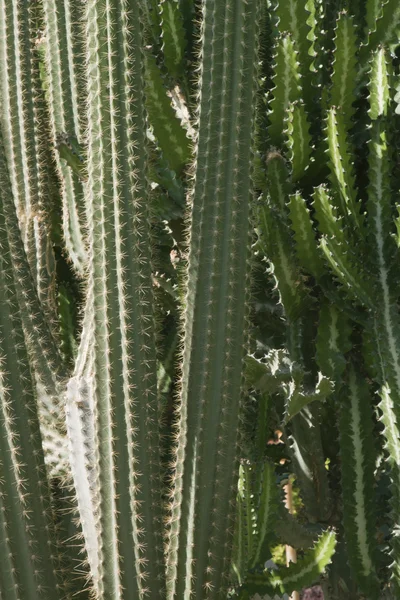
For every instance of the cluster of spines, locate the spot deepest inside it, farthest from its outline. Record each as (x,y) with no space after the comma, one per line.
(26,206)
(213,338)
(43,351)
(25,209)
(63,41)
(22,113)
(16,111)
(39,239)
(126,501)
(28,543)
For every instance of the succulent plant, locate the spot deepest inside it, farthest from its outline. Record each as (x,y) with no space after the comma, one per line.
(198,251)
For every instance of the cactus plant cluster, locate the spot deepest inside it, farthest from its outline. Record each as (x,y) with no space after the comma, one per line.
(199,298)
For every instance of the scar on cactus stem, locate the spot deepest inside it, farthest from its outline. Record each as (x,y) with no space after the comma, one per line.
(273,154)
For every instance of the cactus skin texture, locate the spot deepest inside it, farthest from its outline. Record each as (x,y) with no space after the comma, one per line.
(215,311)
(127,497)
(180,373)
(64,53)
(23,115)
(28,567)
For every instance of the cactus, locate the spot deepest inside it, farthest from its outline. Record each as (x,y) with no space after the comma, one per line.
(28,540)
(297,575)
(213,339)
(151,365)
(65,87)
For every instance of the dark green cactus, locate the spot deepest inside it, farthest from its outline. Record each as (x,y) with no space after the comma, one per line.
(215,310)
(27,535)
(148,359)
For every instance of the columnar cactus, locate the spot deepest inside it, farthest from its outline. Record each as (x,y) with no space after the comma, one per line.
(127,193)
(65,86)
(215,304)
(122,372)
(27,537)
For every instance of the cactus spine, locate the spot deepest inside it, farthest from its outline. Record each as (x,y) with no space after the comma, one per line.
(66,93)
(127,501)
(27,542)
(202,504)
